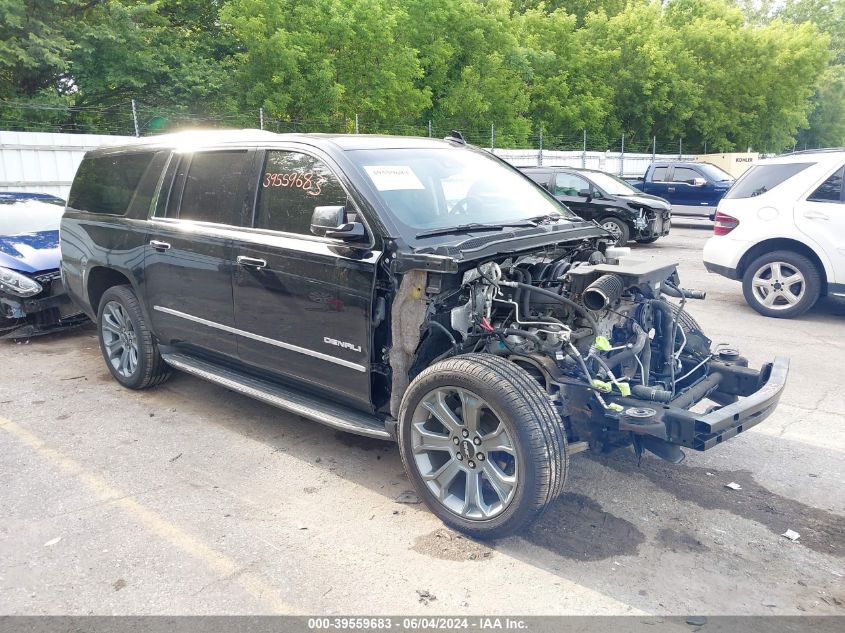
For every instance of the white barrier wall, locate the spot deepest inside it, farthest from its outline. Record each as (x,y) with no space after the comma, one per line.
(40,162)
(628,165)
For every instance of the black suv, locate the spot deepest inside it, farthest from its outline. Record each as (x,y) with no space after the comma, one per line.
(404,288)
(626,212)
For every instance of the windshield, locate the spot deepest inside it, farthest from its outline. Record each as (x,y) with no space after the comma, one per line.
(612,185)
(451,187)
(714,173)
(762,178)
(31,216)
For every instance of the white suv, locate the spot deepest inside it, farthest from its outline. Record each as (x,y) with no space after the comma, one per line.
(781,230)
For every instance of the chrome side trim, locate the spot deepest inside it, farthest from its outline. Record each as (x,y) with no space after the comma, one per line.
(263,339)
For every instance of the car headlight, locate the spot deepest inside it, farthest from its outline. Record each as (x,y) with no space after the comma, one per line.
(17,284)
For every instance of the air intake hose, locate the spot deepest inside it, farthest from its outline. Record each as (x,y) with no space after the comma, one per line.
(603,292)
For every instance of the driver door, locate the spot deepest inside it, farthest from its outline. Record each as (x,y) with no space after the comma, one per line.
(303,302)
(568,188)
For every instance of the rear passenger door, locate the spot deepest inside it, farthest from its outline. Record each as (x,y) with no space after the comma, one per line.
(658,184)
(821,216)
(302,302)
(188,255)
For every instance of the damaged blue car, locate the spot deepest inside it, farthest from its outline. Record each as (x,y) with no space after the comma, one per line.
(32,297)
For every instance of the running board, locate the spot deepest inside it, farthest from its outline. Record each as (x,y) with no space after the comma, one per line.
(328,413)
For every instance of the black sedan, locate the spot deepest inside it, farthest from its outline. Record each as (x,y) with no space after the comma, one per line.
(624,211)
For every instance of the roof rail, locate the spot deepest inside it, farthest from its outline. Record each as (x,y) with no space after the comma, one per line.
(821,150)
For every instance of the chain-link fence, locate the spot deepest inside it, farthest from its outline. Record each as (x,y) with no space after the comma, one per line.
(624,155)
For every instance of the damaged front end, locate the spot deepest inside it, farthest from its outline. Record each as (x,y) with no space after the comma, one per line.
(32,305)
(608,336)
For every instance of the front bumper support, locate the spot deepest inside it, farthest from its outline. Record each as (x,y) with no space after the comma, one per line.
(759,393)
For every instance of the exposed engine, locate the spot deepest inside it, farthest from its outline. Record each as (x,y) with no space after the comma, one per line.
(593,326)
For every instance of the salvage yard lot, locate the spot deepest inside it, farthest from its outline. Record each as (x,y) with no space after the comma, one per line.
(190,499)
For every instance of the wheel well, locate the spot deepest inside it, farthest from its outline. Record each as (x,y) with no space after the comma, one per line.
(782,244)
(101,279)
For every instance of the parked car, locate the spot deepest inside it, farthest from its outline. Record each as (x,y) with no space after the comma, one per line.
(781,230)
(625,212)
(685,183)
(13,196)
(32,298)
(405,288)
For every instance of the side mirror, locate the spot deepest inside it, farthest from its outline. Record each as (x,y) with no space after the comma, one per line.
(699,182)
(585,193)
(331,222)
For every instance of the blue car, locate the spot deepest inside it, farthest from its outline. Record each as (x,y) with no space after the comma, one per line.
(32,298)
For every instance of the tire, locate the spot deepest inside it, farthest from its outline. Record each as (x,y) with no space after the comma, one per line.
(128,347)
(647,240)
(764,290)
(515,415)
(618,228)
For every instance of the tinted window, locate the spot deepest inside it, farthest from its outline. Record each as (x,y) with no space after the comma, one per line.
(139,207)
(684,174)
(292,184)
(570,185)
(106,184)
(212,188)
(540,177)
(830,190)
(659,174)
(168,187)
(762,178)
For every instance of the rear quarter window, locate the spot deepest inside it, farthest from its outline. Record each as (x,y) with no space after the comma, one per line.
(763,178)
(106,184)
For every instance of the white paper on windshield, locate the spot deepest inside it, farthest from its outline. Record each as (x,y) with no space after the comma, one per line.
(393,177)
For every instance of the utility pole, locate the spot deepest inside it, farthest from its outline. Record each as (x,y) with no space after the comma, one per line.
(429,128)
(584,151)
(654,148)
(261,118)
(622,157)
(492,138)
(356,123)
(540,153)
(680,149)
(135,118)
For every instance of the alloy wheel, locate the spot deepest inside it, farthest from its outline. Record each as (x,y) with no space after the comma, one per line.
(464,453)
(120,339)
(778,285)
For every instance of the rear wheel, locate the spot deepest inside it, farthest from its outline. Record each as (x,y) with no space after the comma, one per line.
(617,228)
(126,342)
(782,284)
(482,444)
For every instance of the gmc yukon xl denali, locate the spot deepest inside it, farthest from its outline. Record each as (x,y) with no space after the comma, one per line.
(414,289)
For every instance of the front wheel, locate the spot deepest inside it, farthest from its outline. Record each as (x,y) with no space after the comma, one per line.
(482,444)
(782,284)
(617,228)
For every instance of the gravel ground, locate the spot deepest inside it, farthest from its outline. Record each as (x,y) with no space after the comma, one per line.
(190,499)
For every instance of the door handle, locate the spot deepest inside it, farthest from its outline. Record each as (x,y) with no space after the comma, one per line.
(252,262)
(670,189)
(816,215)
(159,246)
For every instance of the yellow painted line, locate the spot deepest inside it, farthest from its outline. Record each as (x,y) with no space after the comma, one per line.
(218,562)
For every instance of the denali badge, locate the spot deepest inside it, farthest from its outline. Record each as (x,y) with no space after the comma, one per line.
(334,341)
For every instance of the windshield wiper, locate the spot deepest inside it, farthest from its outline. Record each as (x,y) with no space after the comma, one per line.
(472,226)
(546,216)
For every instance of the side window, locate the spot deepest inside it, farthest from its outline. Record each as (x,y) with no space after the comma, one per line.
(212,191)
(106,184)
(569,185)
(168,188)
(684,174)
(292,184)
(659,174)
(830,190)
